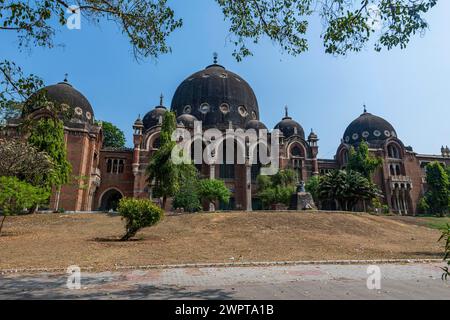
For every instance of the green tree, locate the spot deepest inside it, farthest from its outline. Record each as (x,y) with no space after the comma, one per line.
(213,190)
(113,137)
(346,188)
(361,161)
(16,195)
(348,26)
(138,214)
(312,186)
(438,194)
(47,135)
(277,188)
(187,197)
(162,172)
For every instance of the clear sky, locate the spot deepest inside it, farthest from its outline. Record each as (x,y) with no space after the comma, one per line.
(410,88)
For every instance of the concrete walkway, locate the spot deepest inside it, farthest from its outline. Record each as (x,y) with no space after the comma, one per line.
(398,281)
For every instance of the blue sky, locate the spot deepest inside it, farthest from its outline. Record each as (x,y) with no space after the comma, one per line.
(410,88)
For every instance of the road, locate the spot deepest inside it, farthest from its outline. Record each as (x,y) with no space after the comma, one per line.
(397,281)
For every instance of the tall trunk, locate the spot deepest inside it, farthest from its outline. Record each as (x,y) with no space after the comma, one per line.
(1,225)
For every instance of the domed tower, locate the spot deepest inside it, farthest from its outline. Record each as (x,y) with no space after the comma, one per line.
(83,141)
(396,176)
(216,96)
(295,152)
(370,128)
(154,117)
(74,106)
(290,127)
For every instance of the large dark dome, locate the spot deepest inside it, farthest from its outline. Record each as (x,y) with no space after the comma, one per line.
(370,128)
(216,96)
(63,93)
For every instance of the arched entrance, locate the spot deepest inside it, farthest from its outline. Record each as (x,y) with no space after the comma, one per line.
(110,200)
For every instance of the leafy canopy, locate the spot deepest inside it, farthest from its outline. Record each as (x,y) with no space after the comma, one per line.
(347,188)
(361,161)
(277,188)
(212,190)
(187,197)
(17,195)
(347,26)
(162,172)
(438,184)
(113,137)
(138,214)
(47,135)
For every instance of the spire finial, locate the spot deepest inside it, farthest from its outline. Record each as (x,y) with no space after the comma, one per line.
(215,57)
(365,108)
(161,99)
(286,113)
(65,77)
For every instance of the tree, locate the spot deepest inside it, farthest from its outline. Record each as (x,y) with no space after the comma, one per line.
(113,137)
(346,188)
(187,197)
(361,161)
(348,26)
(20,159)
(162,173)
(16,195)
(213,190)
(312,186)
(47,135)
(138,214)
(438,194)
(277,188)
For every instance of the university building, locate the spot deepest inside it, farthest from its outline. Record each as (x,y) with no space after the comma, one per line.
(220,99)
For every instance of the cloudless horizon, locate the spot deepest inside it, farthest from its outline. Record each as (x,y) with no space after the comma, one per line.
(410,88)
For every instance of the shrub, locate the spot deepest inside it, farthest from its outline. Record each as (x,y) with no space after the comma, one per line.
(187,198)
(423,206)
(277,188)
(212,190)
(16,196)
(138,214)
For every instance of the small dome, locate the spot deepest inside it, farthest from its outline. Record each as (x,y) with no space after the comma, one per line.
(63,93)
(187,120)
(216,96)
(370,128)
(290,127)
(255,124)
(313,135)
(154,117)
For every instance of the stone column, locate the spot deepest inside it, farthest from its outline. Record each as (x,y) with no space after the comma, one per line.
(248,185)
(212,175)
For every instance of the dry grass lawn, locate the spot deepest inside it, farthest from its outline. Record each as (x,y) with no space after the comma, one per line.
(90,240)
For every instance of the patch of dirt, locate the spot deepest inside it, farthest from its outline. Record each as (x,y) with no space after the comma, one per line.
(92,240)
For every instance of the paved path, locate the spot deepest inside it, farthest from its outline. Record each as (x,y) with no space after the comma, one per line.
(409,281)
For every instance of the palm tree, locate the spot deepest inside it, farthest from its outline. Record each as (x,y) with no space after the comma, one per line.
(346,188)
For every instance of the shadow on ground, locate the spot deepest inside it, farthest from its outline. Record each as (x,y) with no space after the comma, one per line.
(51,287)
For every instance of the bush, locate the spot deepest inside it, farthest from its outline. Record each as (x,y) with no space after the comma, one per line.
(212,190)
(138,214)
(16,196)
(187,198)
(423,206)
(277,188)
